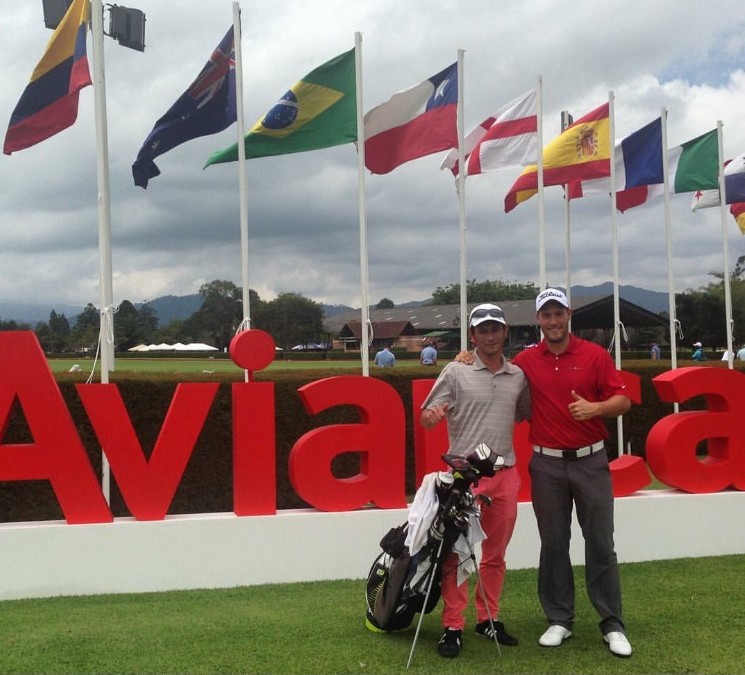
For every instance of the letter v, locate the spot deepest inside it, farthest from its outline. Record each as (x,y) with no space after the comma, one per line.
(148,486)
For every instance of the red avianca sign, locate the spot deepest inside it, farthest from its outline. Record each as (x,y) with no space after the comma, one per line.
(148,485)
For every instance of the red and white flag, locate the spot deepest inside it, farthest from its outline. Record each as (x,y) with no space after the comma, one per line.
(508,138)
(413,123)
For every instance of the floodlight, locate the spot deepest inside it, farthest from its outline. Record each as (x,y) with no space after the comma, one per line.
(54,10)
(566,120)
(127,27)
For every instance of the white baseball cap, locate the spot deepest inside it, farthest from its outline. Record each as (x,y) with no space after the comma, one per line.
(550,295)
(486,312)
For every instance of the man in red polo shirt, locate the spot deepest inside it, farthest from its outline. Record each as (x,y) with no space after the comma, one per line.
(574,384)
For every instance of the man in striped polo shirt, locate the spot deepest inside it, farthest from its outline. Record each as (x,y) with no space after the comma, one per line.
(481,402)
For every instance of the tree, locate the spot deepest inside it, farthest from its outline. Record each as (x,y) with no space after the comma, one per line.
(175,331)
(14,325)
(385,303)
(59,332)
(125,324)
(148,321)
(85,333)
(701,312)
(219,316)
(484,291)
(291,319)
(133,326)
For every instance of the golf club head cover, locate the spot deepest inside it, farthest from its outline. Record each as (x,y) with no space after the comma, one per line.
(483,459)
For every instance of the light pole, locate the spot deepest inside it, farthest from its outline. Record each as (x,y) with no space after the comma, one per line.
(126,25)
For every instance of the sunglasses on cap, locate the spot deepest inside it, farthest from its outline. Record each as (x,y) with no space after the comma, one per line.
(491,313)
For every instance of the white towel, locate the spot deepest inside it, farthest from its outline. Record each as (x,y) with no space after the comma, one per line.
(422,513)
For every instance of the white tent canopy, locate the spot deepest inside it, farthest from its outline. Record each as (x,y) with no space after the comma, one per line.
(194,347)
(178,347)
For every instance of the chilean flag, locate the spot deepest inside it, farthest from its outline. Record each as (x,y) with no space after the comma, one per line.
(413,123)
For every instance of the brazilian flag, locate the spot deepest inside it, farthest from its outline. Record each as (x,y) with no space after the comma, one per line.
(318,112)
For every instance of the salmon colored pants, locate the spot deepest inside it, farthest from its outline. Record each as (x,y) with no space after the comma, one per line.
(498,523)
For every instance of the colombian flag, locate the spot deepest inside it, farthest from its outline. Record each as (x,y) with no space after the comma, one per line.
(738,211)
(581,152)
(49,103)
(319,111)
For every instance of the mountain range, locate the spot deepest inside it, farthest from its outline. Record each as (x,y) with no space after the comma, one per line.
(169,308)
(652,301)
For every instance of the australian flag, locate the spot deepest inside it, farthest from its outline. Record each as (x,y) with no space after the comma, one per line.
(206,107)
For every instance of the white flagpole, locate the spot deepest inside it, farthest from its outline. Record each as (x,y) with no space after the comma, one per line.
(542,282)
(669,246)
(567,249)
(240,129)
(616,267)
(565,122)
(242,179)
(461,181)
(106,334)
(725,248)
(364,282)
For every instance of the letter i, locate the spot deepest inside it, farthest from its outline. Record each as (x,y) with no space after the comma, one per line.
(254,442)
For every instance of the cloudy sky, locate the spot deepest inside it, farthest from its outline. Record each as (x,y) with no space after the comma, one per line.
(184,229)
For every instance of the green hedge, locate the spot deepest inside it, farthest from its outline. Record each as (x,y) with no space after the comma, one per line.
(207,482)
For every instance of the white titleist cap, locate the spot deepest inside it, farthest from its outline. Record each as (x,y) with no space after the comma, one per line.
(550,294)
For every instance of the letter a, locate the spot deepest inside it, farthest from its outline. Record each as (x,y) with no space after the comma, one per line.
(57,453)
(379,439)
(672,443)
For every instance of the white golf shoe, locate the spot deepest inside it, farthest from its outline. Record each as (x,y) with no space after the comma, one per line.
(618,643)
(554,636)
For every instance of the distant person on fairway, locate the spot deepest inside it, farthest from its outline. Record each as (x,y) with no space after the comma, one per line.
(385,358)
(428,356)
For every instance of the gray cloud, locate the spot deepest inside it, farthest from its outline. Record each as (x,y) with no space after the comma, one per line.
(303,209)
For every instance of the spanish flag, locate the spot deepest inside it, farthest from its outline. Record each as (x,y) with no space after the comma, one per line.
(581,152)
(49,103)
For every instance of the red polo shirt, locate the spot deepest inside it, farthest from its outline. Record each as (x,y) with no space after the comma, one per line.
(584,367)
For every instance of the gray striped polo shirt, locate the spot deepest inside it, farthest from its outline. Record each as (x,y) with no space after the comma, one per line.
(483,407)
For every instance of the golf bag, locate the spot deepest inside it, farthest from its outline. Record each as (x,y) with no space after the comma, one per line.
(400,585)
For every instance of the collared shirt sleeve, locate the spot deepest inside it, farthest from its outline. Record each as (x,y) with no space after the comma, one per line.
(522,410)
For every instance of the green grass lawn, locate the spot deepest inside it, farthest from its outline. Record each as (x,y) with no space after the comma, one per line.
(204,365)
(683,616)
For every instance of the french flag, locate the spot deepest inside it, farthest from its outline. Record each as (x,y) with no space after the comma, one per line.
(638,165)
(413,123)
(734,180)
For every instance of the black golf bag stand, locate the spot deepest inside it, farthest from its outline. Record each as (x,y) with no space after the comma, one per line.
(398,585)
